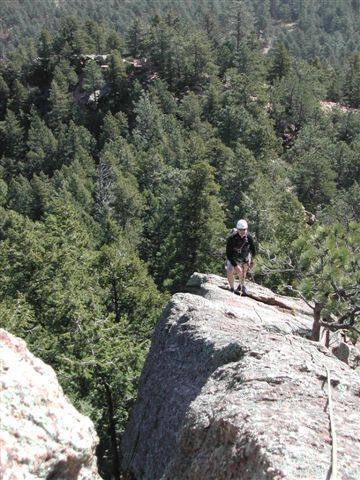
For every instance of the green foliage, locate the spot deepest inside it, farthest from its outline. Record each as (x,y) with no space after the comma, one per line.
(281,63)
(149,129)
(114,126)
(135,40)
(237,169)
(80,308)
(93,80)
(242,116)
(12,136)
(3,189)
(116,81)
(277,218)
(329,260)
(344,207)
(118,193)
(20,195)
(4,95)
(182,57)
(352,81)
(60,105)
(107,196)
(195,240)
(295,97)
(42,146)
(313,171)
(325,29)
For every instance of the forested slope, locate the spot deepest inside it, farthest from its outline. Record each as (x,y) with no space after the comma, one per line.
(328,29)
(121,175)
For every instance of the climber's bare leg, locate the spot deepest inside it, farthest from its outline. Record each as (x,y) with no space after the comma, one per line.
(245,270)
(240,272)
(230,277)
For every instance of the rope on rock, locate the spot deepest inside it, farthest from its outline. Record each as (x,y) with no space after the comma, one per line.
(334,475)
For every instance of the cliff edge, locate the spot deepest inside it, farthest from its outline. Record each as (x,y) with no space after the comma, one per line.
(233,389)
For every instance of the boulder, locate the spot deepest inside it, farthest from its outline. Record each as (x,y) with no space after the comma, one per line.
(42,436)
(347,353)
(234,389)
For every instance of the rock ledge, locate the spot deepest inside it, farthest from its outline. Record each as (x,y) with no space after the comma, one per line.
(233,389)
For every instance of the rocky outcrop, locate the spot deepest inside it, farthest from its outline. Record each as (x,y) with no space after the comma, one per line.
(42,436)
(347,353)
(233,389)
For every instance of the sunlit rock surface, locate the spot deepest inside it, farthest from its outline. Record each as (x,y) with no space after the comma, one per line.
(233,389)
(42,436)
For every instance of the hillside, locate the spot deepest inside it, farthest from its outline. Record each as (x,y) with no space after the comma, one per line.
(327,30)
(126,161)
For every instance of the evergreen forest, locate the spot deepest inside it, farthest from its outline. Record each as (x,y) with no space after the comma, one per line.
(133,136)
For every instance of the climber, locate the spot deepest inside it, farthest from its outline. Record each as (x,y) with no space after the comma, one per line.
(240,250)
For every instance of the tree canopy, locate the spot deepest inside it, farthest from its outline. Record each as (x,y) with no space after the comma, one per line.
(129,147)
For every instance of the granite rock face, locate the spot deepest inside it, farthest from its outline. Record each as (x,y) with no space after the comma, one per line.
(42,436)
(233,389)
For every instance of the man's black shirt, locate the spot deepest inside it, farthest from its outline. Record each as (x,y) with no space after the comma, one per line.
(238,248)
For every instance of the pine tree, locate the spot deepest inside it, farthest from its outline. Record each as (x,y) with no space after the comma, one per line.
(72,40)
(46,56)
(148,128)
(263,15)
(93,80)
(60,105)
(199,59)
(281,63)
(116,81)
(135,39)
(114,126)
(240,20)
(65,75)
(97,33)
(19,98)
(118,194)
(4,95)
(329,277)
(249,59)
(42,147)
(195,240)
(313,168)
(73,140)
(3,188)
(20,195)
(352,82)
(12,136)
(114,41)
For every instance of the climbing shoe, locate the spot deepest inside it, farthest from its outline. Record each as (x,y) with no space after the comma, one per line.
(244,290)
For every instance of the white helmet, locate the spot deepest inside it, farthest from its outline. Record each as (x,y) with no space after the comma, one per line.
(241,224)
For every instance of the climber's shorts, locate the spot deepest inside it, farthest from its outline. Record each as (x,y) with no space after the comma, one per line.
(229,267)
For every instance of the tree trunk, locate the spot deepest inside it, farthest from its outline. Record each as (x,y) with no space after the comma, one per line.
(112,432)
(238,31)
(315,335)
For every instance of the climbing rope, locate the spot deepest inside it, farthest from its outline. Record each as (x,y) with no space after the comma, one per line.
(332,431)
